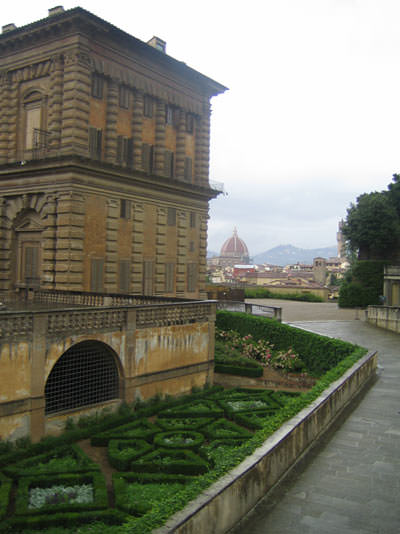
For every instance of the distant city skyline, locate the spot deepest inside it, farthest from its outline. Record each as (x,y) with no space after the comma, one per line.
(311,117)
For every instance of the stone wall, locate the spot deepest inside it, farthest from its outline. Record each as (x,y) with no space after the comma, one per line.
(387,317)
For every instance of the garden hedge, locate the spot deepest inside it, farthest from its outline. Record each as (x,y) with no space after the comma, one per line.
(232,369)
(319,353)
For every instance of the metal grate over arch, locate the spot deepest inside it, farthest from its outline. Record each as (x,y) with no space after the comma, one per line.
(85,374)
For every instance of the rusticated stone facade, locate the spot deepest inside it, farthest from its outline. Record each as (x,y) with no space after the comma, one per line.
(104,161)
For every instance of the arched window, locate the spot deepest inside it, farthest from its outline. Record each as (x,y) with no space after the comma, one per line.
(85,374)
(35,140)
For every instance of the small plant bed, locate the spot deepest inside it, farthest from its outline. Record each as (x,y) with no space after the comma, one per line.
(165,452)
(246,356)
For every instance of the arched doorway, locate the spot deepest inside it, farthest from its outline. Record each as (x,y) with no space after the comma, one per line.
(85,374)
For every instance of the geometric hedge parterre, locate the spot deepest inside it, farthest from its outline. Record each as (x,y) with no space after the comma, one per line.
(155,457)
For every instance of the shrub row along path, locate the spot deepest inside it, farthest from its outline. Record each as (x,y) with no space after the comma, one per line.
(350,481)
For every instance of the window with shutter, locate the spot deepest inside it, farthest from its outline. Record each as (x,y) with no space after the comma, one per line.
(95,142)
(97,85)
(191,277)
(171,217)
(125,150)
(147,157)
(192,219)
(124,276)
(188,169)
(148,106)
(169,114)
(123,97)
(31,264)
(96,274)
(169,277)
(125,208)
(148,278)
(169,163)
(189,123)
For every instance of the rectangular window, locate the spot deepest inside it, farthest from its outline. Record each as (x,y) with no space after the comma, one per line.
(191,277)
(191,246)
(169,277)
(188,169)
(169,114)
(171,217)
(147,158)
(192,219)
(125,150)
(96,274)
(95,141)
(148,277)
(124,272)
(168,163)
(125,209)
(148,106)
(123,96)
(97,85)
(189,123)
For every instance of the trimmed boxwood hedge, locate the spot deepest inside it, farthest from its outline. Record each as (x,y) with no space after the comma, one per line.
(5,488)
(319,353)
(177,461)
(121,452)
(100,498)
(31,466)
(232,369)
(166,439)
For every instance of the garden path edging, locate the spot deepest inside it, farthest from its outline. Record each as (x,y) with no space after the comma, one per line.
(225,502)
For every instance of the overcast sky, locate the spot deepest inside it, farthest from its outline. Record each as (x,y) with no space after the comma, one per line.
(312,116)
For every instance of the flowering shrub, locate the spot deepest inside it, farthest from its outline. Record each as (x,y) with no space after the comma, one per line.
(232,344)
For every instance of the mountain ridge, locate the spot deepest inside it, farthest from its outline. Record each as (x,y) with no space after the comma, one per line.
(286,254)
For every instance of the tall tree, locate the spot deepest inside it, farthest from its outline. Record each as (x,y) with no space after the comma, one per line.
(372,226)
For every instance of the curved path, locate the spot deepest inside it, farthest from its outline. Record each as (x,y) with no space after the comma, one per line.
(349,483)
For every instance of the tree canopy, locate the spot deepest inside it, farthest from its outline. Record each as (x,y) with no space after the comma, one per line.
(372,225)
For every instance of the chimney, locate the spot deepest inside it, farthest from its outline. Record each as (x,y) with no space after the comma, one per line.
(8,28)
(56,11)
(158,43)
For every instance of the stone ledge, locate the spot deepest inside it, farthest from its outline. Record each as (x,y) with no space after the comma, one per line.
(224,503)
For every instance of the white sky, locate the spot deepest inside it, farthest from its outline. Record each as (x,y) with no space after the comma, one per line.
(312,116)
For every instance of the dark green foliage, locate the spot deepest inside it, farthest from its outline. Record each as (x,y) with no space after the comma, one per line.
(198,408)
(138,429)
(54,461)
(252,420)
(21,524)
(264,293)
(364,284)
(100,499)
(5,488)
(232,369)
(178,461)
(136,495)
(225,429)
(121,452)
(372,226)
(181,423)
(179,439)
(319,353)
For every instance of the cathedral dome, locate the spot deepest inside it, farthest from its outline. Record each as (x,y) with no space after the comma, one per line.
(235,247)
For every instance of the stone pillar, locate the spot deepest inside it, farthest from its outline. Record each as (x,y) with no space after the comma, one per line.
(70,237)
(137,249)
(211,343)
(110,267)
(50,244)
(159,148)
(56,102)
(180,147)
(137,127)
(12,105)
(111,122)
(76,104)
(161,244)
(4,116)
(202,257)
(37,377)
(181,254)
(202,144)
(5,247)
(129,359)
